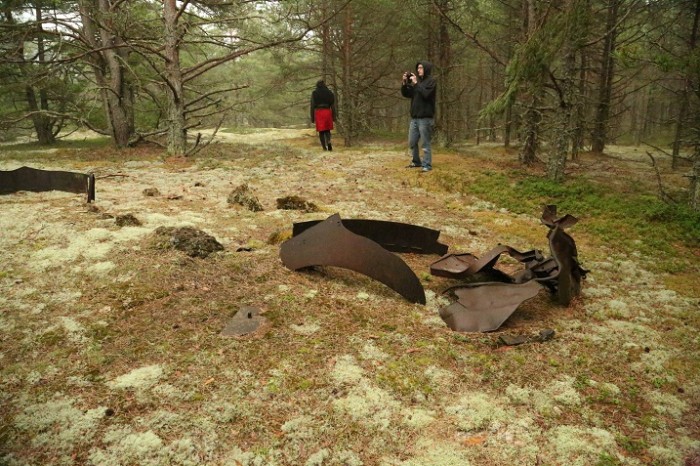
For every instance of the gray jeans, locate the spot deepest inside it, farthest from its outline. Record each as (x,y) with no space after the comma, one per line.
(421,128)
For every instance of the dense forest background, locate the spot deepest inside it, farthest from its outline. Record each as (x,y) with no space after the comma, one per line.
(551,78)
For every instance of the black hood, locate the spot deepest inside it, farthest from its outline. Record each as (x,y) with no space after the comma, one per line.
(427,68)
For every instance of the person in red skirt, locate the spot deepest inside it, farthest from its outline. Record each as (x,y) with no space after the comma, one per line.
(323,113)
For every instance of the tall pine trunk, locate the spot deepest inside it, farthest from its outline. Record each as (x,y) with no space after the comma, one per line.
(177,132)
(605,80)
(348,108)
(532,116)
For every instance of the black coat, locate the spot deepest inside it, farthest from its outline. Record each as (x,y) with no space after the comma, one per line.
(322,97)
(422,94)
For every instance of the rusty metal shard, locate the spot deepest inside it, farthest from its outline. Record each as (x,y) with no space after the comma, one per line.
(565,279)
(453,265)
(485,306)
(247,320)
(462,265)
(568,280)
(36,180)
(392,236)
(549,218)
(330,243)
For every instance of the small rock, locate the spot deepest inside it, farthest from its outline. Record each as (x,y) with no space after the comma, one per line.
(546,335)
(512,340)
(242,195)
(151,192)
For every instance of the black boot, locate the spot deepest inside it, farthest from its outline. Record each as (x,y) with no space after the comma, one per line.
(322,137)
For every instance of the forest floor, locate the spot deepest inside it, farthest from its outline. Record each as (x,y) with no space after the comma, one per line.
(111,350)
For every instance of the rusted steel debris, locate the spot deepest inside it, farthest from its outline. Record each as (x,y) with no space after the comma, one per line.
(485,306)
(392,236)
(363,245)
(36,180)
(465,264)
(329,243)
(563,247)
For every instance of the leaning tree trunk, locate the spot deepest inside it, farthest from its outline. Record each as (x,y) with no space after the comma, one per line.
(107,60)
(602,115)
(177,131)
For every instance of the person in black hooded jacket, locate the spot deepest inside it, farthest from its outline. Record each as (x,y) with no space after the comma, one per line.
(421,88)
(323,113)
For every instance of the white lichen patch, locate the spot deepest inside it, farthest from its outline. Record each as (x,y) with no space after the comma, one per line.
(516,443)
(370,352)
(418,418)
(563,392)
(612,309)
(318,458)
(237,456)
(368,405)
(58,425)
(671,451)
(170,391)
(439,377)
(592,292)
(434,452)
(479,411)
(578,445)
(653,363)
(301,428)
(667,404)
(346,371)
(100,268)
(363,296)
(74,330)
(518,395)
(127,447)
(139,379)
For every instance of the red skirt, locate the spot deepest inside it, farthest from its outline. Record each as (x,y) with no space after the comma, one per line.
(324,119)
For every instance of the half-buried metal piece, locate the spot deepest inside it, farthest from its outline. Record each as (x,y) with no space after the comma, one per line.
(329,243)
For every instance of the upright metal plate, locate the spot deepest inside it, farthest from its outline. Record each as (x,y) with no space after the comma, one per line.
(36,180)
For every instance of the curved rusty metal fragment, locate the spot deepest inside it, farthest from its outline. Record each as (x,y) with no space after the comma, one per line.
(392,236)
(484,307)
(462,265)
(36,180)
(330,243)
